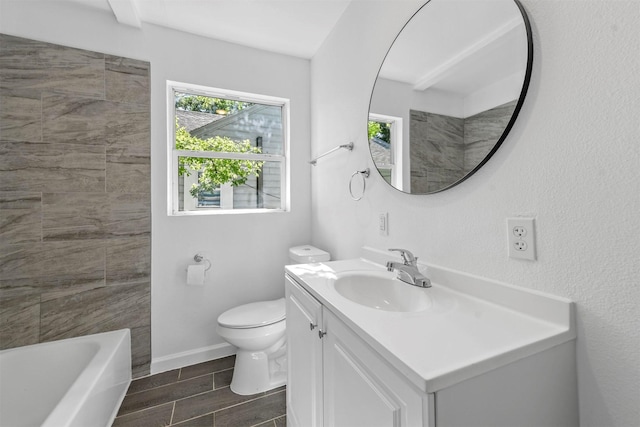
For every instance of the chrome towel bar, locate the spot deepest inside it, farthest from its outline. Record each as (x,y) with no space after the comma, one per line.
(348,146)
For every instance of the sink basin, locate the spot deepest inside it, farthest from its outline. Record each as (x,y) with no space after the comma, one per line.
(381,291)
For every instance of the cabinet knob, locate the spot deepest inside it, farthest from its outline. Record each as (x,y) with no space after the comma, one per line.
(321,333)
(312,326)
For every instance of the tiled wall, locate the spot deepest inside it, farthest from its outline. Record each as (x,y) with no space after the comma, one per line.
(75,219)
(437,159)
(482,131)
(449,147)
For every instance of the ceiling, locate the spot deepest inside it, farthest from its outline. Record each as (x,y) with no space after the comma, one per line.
(456,46)
(459,46)
(291,27)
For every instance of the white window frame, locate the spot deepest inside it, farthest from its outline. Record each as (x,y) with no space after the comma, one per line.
(396,164)
(173,154)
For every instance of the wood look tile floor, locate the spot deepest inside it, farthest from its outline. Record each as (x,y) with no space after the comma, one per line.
(198,395)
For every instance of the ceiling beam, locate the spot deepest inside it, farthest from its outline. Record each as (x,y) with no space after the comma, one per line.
(443,70)
(126,12)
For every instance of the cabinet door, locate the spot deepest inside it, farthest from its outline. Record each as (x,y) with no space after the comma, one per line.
(304,358)
(361,389)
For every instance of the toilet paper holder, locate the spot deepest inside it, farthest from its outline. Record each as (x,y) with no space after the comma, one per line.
(199,258)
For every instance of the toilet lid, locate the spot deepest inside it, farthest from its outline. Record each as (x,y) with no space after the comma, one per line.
(253,315)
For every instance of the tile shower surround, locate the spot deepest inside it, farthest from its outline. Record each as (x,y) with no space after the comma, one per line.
(75,214)
(446,148)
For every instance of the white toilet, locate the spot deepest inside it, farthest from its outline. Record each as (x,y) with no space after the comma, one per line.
(258,331)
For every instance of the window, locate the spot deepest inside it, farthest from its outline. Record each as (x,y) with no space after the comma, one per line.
(228,151)
(385,145)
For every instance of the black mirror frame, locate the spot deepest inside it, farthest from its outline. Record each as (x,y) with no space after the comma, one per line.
(514,116)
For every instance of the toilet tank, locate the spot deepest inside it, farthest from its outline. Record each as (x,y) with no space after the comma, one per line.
(306,254)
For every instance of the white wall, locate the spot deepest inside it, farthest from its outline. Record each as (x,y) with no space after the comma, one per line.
(572,160)
(248,251)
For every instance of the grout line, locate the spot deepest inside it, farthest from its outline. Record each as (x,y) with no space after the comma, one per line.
(174,401)
(173,411)
(178,380)
(273,420)
(261,396)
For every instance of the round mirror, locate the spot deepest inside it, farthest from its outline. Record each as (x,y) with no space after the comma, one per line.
(448,92)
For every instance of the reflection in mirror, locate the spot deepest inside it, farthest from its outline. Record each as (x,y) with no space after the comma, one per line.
(448,92)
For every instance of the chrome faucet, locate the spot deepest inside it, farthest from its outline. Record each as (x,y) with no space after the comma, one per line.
(408,270)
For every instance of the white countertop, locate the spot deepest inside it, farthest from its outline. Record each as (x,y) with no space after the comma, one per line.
(473,326)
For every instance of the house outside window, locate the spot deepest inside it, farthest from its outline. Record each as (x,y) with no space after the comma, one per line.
(385,145)
(228,151)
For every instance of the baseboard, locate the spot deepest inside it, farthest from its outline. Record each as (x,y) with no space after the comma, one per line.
(192,357)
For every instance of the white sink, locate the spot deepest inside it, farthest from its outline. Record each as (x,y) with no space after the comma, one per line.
(382,291)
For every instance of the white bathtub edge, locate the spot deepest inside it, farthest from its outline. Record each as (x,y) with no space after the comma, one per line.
(191,357)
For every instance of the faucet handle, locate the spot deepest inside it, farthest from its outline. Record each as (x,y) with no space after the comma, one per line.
(407,256)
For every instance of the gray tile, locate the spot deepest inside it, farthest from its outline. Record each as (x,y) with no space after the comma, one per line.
(20,115)
(445,140)
(281,422)
(153,381)
(128,177)
(141,348)
(52,269)
(207,367)
(20,217)
(127,80)
(419,184)
(482,131)
(129,215)
(29,166)
(124,127)
(203,421)
(96,310)
(156,416)
(19,321)
(76,120)
(488,125)
(81,216)
(34,65)
(128,132)
(252,413)
(168,393)
(208,402)
(128,259)
(128,150)
(223,378)
(270,423)
(71,216)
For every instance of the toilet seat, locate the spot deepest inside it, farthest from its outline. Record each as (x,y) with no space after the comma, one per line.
(253,315)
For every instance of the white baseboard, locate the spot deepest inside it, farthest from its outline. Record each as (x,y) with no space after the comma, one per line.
(191,357)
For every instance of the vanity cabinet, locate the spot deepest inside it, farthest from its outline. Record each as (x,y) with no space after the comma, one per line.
(304,357)
(491,366)
(336,379)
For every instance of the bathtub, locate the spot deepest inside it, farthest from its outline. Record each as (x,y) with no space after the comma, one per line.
(72,382)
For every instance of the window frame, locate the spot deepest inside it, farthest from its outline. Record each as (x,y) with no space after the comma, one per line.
(396,164)
(283,159)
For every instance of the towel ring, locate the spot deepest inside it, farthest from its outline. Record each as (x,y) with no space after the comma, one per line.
(364,174)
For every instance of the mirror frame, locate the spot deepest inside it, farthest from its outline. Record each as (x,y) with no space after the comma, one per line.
(507,129)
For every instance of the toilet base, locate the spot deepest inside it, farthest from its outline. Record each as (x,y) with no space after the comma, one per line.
(260,371)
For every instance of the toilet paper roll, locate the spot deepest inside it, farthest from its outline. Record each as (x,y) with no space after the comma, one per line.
(195,275)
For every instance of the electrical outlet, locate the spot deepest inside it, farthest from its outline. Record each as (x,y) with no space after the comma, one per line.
(383,223)
(521,238)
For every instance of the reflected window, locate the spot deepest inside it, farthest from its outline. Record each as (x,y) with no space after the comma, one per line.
(385,145)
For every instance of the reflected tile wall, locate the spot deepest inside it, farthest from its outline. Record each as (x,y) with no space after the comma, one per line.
(75,223)
(482,131)
(436,150)
(443,149)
